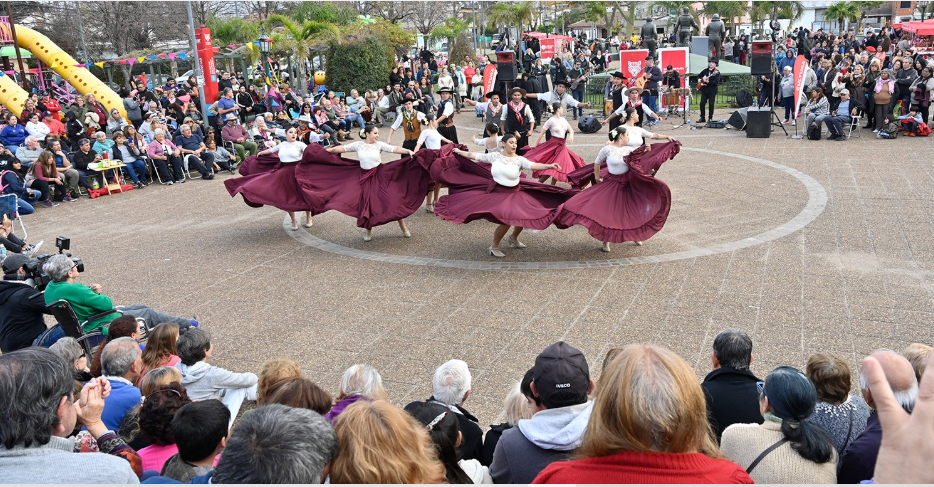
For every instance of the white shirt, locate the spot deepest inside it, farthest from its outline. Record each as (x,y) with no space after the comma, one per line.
(485,143)
(383,102)
(558,126)
(615,158)
(418,115)
(289,151)
(505,170)
(369,154)
(38,130)
(448,110)
(645,109)
(637,135)
(483,107)
(550,96)
(431,138)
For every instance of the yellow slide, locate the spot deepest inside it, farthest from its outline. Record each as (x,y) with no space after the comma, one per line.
(13,97)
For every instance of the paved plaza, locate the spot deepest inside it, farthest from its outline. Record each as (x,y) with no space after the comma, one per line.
(810,246)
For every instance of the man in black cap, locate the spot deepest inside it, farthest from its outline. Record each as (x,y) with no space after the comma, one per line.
(617,94)
(561,379)
(709,80)
(21,307)
(493,111)
(653,74)
(445,115)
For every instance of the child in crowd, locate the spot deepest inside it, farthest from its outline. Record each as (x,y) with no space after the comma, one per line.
(913,123)
(200,430)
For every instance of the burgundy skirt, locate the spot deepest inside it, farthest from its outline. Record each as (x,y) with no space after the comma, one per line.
(473,195)
(256,164)
(649,162)
(624,207)
(268,182)
(555,150)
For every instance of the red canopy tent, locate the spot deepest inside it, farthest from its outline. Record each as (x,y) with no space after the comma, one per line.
(919,28)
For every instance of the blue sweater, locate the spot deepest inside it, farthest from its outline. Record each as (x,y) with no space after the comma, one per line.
(12,183)
(13,135)
(123,398)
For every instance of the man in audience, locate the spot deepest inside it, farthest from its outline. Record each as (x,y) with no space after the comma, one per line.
(562,382)
(225,105)
(63,166)
(83,158)
(200,430)
(122,365)
(730,389)
(235,133)
(40,412)
(195,152)
(28,154)
(21,307)
(859,460)
(205,381)
(224,83)
(451,388)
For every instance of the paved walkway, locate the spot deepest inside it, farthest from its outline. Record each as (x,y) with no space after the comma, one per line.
(809,246)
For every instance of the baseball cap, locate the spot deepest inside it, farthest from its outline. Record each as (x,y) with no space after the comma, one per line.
(844,91)
(560,368)
(13,262)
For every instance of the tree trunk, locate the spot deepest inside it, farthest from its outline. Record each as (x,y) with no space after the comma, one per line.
(125,69)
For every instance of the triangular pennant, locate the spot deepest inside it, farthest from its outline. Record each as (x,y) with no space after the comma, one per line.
(88,65)
(232,46)
(80,65)
(141,59)
(183,55)
(100,65)
(162,55)
(121,61)
(132,60)
(172,56)
(152,57)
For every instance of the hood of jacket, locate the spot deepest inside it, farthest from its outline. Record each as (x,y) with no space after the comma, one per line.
(192,373)
(9,288)
(557,429)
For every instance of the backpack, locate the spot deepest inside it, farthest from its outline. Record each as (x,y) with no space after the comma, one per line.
(814,131)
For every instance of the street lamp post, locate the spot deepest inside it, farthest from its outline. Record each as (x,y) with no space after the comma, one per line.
(264,48)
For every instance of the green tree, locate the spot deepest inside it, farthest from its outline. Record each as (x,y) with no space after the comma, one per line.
(362,62)
(324,12)
(298,37)
(448,31)
(234,30)
(512,14)
(775,10)
(600,12)
(675,8)
(842,12)
(729,11)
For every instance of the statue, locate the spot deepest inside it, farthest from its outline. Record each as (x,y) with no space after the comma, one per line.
(685,25)
(715,31)
(649,36)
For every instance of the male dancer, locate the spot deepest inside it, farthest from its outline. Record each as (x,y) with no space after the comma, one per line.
(618,81)
(709,79)
(411,121)
(445,116)
(560,95)
(493,111)
(519,118)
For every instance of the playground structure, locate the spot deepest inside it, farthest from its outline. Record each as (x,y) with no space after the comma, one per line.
(13,97)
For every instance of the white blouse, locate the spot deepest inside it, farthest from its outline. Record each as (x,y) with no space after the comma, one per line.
(558,126)
(637,135)
(289,151)
(614,158)
(431,138)
(496,141)
(505,170)
(369,154)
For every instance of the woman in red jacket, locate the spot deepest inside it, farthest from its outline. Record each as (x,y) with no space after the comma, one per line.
(648,426)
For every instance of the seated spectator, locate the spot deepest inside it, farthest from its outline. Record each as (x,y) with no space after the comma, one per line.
(21,307)
(917,355)
(149,126)
(87,301)
(200,430)
(562,381)
(155,424)
(192,149)
(55,126)
(12,182)
(205,381)
(43,176)
(360,381)
(785,448)
(157,378)
(73,129)
(41,412)
(730,389)
(29,153)
(858,461)
(65,170)
(222,157)
(84,158)
(103,146)
(163,152)
(298,392)
(195,128)
(839,118)
(29,107)
(382,444)
(235,133)
(70,350)
(843,416)
(275,370)
(451,388)
(130,155)
(226,105)
(13,135)
(121,365)
(515,408)
(648,426)
(14,244)
(160,347)
(444,430)
(35,128)
(124,326)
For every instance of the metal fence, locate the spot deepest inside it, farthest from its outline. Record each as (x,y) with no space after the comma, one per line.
(726,95)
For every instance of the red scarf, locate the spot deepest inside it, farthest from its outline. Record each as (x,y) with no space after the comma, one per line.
(518,111)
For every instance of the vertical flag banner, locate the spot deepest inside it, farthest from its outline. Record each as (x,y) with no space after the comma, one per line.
(800,70)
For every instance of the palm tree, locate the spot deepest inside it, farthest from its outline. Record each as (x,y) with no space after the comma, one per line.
(842,12)
(774,10)
(511,14)
(729,11)
(299,37)
(448,31)
(677,8)
(236,31)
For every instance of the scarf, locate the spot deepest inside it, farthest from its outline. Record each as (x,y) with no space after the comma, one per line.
(409,118)
(518,108)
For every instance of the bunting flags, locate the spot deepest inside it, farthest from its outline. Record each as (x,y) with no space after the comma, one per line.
(171,55)
(182,55)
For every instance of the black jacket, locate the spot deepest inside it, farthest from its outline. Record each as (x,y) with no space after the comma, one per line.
(732,398)
(489,443)
(21,309)
(472,446)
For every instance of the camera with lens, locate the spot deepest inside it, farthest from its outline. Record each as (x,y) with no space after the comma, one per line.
(36,277)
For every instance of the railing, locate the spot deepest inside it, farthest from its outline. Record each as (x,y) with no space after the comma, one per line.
(6,35)
(726,95)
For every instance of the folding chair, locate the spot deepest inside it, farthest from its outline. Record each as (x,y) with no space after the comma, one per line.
(9,207)
(855,123)
(68,321)
(233,150)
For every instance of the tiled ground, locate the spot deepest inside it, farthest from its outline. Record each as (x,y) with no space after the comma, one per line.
(856,277)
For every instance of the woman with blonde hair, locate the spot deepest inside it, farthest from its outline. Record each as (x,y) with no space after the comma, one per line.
(649,425)
(382,444)
(157,378)
(160,348)
(275,370)
(515,408)
(360,381)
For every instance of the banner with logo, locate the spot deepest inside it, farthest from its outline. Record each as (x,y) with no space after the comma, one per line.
(632,64)
(489,78)
(801,66)
(547,49)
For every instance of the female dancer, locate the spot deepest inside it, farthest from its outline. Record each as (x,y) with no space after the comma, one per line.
(369,151)
(432,140)
(625,204)
(491,140)
(555,150)
(272,187)
(506,200)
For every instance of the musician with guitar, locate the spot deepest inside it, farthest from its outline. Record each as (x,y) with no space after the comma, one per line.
(577,78)
(708,82)
(651,75)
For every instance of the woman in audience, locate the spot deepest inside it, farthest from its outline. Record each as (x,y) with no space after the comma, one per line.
(79,108)
(445,433)
(785,449)
(297,392)
(43,177)
(842,415)
(13,135)
(275,370)
(515,408)
(817,107)
(648,425)
(382,444)
(917,354)
(160,348)
(155,424)
(103,146)
(124,326)
(69,349)
(116,122)
(36,128)
(360,381)
(221,155)
(244,104)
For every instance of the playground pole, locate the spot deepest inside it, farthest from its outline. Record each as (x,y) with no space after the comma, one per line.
(19,57)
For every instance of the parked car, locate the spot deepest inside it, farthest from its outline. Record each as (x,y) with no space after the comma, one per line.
(184,78)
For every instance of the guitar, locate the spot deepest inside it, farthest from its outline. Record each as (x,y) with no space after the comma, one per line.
(641,81)
(701,83)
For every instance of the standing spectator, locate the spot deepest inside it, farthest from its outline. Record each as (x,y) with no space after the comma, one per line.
(200,430)
(742,49)
(121,365)
(728,49)
(843,416)
(787,92)
(225,82)
(244,104)
(730,389)
(921,89)
(134,112)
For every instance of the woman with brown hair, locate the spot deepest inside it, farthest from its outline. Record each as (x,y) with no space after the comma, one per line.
(275,370)
(297,392)
(124,326)
(160,348)
(43,176)
(382,444)
(843,416)
(649,425)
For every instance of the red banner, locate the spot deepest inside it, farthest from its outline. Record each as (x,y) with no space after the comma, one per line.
(676,57)
(489,79)
(548,49)
(208,68)
(632,63)
(801,65)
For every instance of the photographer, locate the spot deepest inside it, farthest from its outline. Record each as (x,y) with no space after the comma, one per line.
(88,301)
(21,308)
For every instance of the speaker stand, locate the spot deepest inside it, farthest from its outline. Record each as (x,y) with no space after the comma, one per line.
(777,122)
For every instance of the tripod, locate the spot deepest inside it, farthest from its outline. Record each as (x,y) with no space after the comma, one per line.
(776,122)
(686,95)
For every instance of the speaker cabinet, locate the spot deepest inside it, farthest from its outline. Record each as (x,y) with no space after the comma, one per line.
(760,58)
(738,119)
(759,123)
